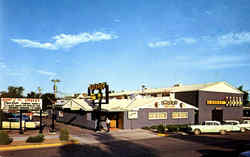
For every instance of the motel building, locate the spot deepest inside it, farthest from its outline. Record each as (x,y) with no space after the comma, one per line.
(179,104)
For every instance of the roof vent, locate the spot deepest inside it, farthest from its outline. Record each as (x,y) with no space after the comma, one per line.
(177,85)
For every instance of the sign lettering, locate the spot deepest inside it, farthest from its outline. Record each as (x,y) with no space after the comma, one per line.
(21,104)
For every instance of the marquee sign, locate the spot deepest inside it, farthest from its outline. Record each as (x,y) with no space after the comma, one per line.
(229,101)
(21,104)
(169,104)
(98,96)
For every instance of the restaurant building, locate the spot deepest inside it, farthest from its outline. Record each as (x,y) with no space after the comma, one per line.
(132,113)
(180,104)
(215,101)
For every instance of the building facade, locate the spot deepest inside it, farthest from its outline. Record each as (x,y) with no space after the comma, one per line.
(129,114)
(215,101)
(180,104)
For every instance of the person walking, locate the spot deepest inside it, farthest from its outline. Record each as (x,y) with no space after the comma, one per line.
(108,124)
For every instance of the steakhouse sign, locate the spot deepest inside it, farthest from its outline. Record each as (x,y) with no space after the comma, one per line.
(21,104)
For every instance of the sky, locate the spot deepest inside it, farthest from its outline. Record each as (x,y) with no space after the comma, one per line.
(126,43)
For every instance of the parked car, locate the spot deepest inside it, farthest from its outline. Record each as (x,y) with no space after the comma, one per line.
(14,123)
(210,127)
(243,126)
(245,154)
(234,125)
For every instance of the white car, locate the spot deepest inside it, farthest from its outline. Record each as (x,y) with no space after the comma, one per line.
(209,127)
(243,126)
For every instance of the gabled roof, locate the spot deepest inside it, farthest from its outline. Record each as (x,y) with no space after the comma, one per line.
(214,86)
(141,102)
(77,104)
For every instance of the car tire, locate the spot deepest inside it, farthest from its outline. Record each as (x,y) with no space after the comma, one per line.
(223,132)
(242,129)
(197,131)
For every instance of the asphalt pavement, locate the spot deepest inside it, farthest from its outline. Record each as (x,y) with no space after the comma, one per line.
(134,143)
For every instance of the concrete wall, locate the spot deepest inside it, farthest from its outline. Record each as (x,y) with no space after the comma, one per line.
(143,120)
(82,119)
(188,97)
(199,98)
(205,110)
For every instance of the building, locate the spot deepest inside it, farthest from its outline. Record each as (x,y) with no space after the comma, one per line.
(133,113)
(180,104)
(215,101)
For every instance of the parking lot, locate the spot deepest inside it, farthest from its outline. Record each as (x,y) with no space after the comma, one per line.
(143,143)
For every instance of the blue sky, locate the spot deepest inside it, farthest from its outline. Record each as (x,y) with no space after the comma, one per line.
(126,43)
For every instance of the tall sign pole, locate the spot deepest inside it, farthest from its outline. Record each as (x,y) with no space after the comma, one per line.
(53,105)
(21,121)
(41,120)
(97,98)
(1,114)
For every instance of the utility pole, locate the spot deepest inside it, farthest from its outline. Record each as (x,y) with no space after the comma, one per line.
(54,87)
(41,118)
(53,105)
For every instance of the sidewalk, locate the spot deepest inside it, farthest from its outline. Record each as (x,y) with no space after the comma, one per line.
(117,135)
(82,136)
(19,143)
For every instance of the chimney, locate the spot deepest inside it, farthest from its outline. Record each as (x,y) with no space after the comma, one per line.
(172,95)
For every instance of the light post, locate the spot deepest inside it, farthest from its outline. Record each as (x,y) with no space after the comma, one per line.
(53,105)
(41,120)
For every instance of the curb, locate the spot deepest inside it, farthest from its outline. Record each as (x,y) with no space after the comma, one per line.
(159,134)
(35,146)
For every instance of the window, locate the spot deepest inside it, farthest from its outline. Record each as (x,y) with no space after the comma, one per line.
(179,115)
(157,115)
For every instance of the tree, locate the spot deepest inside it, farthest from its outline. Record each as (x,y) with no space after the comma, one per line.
(13,92)
(245,95)
(48,99)
(33,95)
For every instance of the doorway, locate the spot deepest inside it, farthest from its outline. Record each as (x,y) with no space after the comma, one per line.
(217,115)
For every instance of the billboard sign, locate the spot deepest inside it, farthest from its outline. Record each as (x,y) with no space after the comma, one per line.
(132,115)
(21,104)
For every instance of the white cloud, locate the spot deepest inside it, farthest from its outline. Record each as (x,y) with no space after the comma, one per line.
(208,12)
(66,40)
(47,73)
(34,44)
(214,62)
(234,38)
(117,20)
(15,74)
(2,65)
(159,44)
(187,40)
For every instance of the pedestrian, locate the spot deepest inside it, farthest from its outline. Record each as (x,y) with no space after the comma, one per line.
(108,124)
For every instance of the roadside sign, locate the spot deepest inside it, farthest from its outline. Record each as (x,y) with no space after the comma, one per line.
(21,104)
(99,87)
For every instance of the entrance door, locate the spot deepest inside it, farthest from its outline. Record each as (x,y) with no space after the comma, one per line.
(217,115)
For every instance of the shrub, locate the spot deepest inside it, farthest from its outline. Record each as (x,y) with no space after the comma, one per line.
(146,128)
(161,129)
(175,128)
(36,139)
(64,134)
(4,138)
(154,127)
